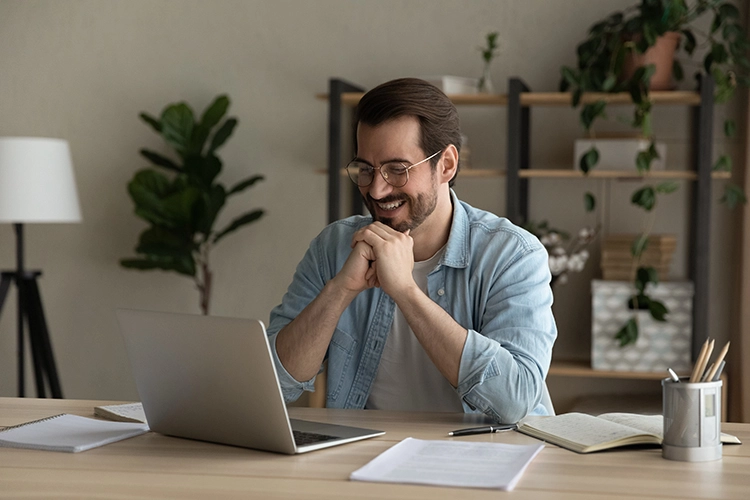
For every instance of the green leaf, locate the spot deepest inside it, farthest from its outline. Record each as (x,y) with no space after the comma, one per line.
(208,209)
(210,118)
(727,10)
(716,23)
(639,245)
(609,82)
(730,127)
(667,187)
(155,124)
(677,71)
(177,127)
(591,112)
(690,41)
(589,160)
(724,163)
(221,135)
(628,334)
(179,207)
(658,310)
(242,185)
(569,75)
(162,242)
(733,195)
(643,162)
(589,202)
(239,222)
(202,170)
(645,198)
(160,161)
(719,53)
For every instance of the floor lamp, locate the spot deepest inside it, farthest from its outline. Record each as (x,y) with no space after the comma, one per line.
(36,186)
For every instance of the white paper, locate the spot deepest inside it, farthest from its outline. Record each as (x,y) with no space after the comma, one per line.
(128,412)
(450,463)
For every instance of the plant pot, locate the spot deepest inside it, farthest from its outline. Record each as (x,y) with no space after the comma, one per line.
(661,55)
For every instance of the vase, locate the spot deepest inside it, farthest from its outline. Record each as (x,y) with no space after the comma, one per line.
(485,82)
(661,55)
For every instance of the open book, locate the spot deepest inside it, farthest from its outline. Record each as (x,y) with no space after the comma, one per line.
(585,433)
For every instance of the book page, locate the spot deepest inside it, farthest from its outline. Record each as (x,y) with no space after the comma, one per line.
(651,424)
(450,463)
(578,428)
(128,412)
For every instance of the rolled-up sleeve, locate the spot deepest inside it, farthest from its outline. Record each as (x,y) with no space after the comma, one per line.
(505,360)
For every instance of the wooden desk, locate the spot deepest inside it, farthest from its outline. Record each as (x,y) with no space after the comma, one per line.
(156,466)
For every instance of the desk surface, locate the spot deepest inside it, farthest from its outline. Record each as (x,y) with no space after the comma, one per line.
(152,465)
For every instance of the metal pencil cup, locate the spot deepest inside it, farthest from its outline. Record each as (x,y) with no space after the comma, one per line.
(692,420)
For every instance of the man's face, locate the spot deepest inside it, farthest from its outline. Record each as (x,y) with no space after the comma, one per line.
(405,207)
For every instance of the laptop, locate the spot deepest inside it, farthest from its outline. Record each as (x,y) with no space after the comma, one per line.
(213,379)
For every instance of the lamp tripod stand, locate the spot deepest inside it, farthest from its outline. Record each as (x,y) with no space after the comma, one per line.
(30,309)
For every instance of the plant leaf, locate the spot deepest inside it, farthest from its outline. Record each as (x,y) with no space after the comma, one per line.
(589,160)
(724,163)
(628,334)
(208,209)
(589,202)
(221,135)
(667,187)
(639,245)
(161,242)
(658,310)
(730,127)
(210,118)
(160,161)
(733,195)
(690,41)
(239,222)
(177,127)
(727,10)
(645,198)
(242,185)
(155,124)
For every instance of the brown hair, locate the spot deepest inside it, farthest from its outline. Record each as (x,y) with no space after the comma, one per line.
(438,117)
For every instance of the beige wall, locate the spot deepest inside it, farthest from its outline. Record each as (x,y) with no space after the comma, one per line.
(83,70)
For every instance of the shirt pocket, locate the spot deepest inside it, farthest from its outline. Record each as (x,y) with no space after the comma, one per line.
(340,353)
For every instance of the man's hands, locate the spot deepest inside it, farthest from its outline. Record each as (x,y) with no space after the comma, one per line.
(390,256)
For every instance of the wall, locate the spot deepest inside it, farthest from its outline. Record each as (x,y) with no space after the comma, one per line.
(84,70)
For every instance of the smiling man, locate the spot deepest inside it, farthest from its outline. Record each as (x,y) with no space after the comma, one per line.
(428,304)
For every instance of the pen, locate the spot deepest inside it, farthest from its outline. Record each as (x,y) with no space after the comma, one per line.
(673,375)
(483,430)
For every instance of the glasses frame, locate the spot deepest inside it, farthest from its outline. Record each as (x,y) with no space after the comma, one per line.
(385,175)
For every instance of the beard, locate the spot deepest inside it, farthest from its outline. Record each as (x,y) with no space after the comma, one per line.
(420,208)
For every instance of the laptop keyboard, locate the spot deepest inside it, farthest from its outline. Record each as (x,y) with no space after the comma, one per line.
(303,438)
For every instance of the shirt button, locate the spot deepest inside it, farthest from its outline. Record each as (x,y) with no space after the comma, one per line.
(441,292)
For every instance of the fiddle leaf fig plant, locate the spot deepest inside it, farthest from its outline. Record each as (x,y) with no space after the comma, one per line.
(181,198)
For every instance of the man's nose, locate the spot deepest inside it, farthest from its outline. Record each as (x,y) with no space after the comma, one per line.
(379,188)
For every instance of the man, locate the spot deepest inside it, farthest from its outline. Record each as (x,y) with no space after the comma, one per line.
(429,304)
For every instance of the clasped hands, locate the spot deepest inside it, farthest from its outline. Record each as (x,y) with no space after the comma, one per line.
(381,257)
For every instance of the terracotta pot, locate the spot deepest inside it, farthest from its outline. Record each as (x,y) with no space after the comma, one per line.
(661,55)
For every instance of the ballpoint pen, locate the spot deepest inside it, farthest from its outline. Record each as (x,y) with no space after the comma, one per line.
(673,375)
(483,430)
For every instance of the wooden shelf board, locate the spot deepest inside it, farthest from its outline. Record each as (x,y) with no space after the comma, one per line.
(583,369)
(577,174)
(549,98)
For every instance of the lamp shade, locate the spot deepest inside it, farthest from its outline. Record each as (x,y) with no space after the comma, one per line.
(36,181)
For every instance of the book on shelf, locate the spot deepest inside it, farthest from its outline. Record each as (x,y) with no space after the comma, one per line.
(71,433)
(585,433)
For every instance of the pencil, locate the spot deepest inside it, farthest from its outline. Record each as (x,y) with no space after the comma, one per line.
(718,361)
(700,361)
(707,372)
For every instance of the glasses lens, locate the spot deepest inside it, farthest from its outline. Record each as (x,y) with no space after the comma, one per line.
(360,173)
(396,174)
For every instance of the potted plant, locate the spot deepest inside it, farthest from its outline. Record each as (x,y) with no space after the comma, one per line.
(488,54)
(618,56)
(181,208)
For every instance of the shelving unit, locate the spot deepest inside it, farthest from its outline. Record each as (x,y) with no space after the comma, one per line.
(519,102)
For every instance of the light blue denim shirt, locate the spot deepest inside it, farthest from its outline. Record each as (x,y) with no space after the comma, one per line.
(493,280)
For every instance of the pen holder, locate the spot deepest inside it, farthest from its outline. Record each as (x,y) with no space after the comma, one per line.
(692,420)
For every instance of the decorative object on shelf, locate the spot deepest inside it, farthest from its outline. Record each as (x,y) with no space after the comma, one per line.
(565,255)
(488,54)
(37,185)
(454,84)
(617,259)
(659,346)
(601,68)
(182,210)
(617,153)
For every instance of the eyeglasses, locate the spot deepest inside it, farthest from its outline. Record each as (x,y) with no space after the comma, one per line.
(394,173)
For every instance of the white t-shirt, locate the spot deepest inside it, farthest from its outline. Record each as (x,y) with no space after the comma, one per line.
(407,380)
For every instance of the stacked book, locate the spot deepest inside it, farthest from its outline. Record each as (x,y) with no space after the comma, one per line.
(619,264)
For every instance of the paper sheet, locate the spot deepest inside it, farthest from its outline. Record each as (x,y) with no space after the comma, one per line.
(450,463)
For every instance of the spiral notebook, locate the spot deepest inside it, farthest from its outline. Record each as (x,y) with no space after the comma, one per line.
(71,433)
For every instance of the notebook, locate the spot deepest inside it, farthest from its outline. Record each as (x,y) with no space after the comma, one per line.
(213,379)
(66,432)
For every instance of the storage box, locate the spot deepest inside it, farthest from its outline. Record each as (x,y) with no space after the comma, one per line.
(454,84)
(617,260)
(660,345)
(618,154)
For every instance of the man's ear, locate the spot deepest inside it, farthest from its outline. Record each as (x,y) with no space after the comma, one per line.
(449,163)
